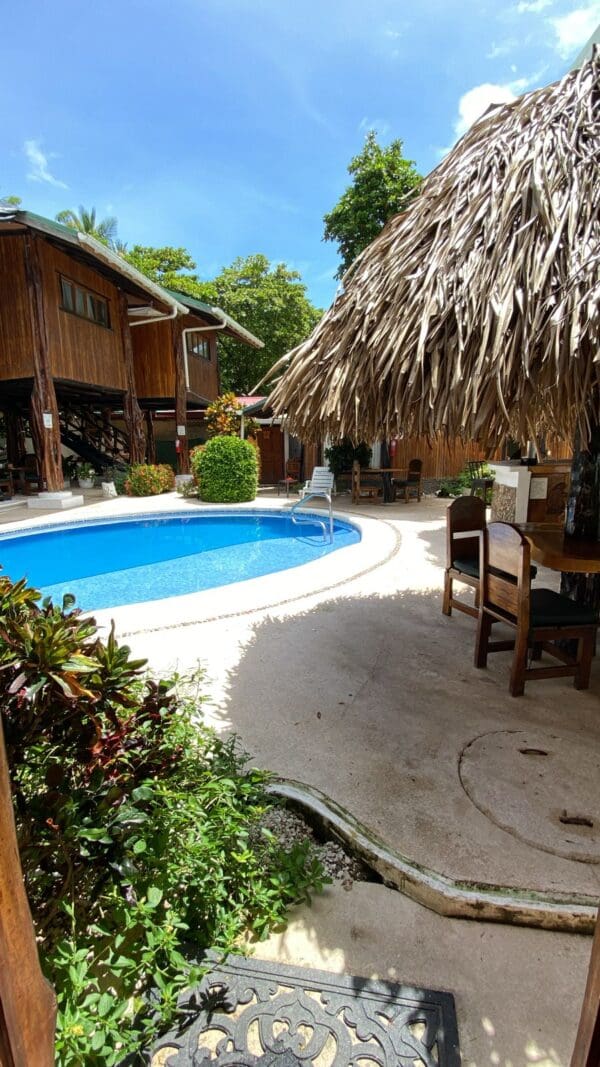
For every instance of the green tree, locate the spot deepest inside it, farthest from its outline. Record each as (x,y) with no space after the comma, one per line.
(383,183)
(270,301)
(171,267)
(11,201)
(104,230)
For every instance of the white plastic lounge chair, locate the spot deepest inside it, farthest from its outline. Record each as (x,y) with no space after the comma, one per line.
(321,484)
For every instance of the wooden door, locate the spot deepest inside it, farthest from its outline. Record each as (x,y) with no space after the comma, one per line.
(27,1004)
(272,466)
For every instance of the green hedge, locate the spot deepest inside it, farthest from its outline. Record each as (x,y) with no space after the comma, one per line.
(226,471)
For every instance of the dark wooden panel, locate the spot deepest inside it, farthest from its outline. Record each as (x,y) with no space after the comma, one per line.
(153,360)
(80,350)
(203,373)
(16,360)
(270,443)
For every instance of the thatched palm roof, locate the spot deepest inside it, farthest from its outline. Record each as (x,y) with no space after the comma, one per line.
(474,312)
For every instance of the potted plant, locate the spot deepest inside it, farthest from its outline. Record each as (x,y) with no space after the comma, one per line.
(85,475)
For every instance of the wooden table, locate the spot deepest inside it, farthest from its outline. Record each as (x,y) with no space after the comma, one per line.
(386,474)
(552,548)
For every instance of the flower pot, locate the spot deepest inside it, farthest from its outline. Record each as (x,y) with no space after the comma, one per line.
(86,483)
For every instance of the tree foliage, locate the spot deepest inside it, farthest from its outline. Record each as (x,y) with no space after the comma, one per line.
(86,221)
(270,301)
(383,183)
(172,267)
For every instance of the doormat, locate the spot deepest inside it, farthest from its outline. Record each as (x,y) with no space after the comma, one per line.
(251,1013)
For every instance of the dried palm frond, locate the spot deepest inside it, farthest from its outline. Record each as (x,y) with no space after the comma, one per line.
(475,312)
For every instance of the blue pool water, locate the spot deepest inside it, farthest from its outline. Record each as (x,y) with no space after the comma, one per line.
(105,564)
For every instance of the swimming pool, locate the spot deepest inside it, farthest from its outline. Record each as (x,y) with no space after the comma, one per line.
(112,562)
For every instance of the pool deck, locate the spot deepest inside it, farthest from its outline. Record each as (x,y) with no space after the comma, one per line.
(343,676)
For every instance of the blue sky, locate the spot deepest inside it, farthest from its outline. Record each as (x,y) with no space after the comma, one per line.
(226,126)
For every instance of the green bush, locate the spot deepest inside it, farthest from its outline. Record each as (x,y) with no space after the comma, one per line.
(137,829)
(342,455)
(147,479)
(226,470)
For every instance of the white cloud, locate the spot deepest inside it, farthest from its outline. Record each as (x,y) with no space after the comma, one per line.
(476,101)
(526,6)
(573,30)
(380,126)
(38,161)
(504,48)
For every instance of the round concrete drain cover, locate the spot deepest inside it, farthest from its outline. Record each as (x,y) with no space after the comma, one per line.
(541,787)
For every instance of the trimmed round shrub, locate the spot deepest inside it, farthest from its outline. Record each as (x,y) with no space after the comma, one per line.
(226,471)
(147,479)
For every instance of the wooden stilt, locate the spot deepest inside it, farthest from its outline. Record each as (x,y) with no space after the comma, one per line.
(45,423)
(183,456)
(15,438)
(150,439)
(27,1003)
(132,413)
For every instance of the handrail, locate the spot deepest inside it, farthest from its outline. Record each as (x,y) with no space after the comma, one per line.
(313,520)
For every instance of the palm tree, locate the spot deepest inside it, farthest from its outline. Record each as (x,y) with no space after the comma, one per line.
(104,230)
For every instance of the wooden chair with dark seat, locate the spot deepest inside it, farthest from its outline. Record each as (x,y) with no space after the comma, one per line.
(543,620)
(292,476)
(412,483)
(480,482)
(465,519)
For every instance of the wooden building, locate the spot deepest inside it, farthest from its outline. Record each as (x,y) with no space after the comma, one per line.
(86,342)
(176,364)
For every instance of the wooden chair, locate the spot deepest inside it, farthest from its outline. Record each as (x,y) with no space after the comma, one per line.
(412,482)
(541,617)
(480,483)
(292,476)
(465,519)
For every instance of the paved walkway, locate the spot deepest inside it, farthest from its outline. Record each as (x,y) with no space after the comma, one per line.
(358,686)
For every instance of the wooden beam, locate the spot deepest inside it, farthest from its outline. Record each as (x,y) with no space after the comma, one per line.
(183,455)
(27,1003)
(132,413)
(45,422)
(150,439)
(587,1046)
(15,438)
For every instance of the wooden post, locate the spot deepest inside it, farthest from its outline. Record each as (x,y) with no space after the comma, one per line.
(27,1003)
(583,517)
(183,455)
(132,413)
(150,439)
(45,422)
(15,438)
(587,1046)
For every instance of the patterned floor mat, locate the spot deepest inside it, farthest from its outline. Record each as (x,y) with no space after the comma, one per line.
(251,1013)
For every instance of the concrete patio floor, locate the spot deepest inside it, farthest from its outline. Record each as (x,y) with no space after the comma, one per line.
(360,688)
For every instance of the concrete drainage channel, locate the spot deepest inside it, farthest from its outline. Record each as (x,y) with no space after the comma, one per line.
(460,900)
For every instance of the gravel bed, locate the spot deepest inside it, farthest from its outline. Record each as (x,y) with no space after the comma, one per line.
(291,828)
